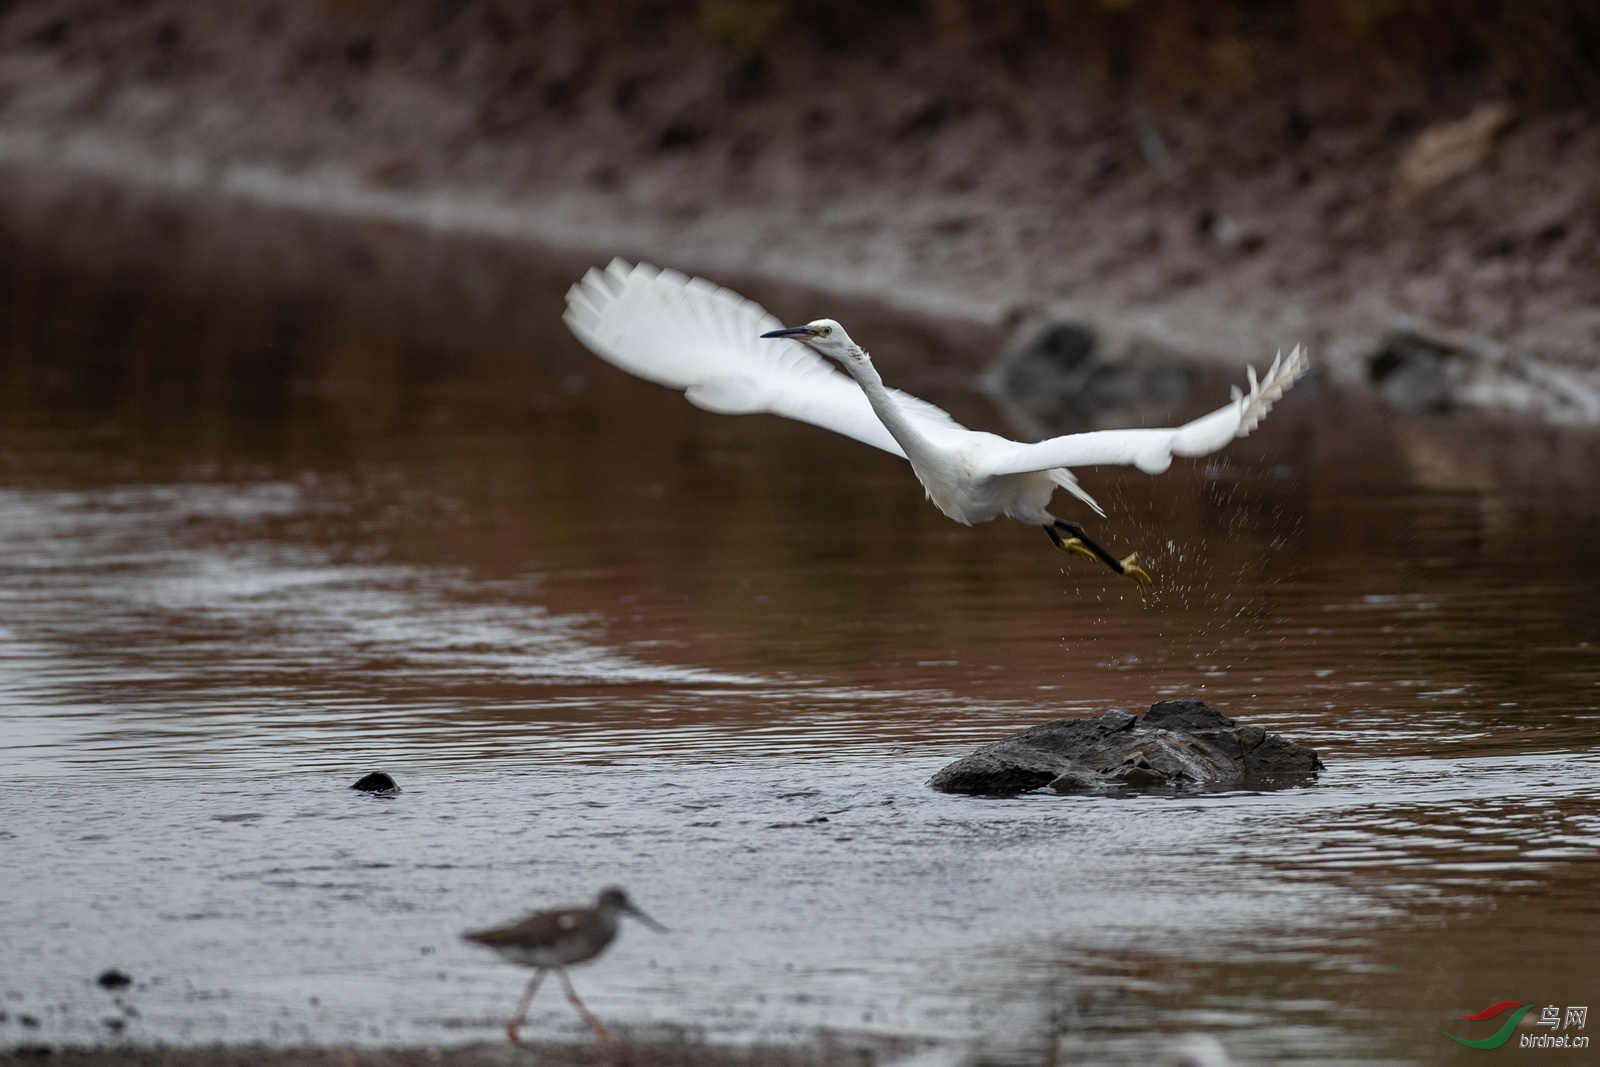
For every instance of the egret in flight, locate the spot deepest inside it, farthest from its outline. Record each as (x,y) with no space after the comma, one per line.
(730,356)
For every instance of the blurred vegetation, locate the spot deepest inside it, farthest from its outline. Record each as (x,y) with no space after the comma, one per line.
(1541,53)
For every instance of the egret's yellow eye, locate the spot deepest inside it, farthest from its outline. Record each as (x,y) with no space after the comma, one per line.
(823,331)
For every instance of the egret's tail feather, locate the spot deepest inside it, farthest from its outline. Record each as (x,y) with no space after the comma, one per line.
(1069,481)
(1269,389)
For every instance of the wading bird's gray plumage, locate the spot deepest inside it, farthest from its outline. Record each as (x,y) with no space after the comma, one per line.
(553,940)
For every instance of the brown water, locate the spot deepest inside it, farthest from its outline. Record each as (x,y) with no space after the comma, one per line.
(250,550)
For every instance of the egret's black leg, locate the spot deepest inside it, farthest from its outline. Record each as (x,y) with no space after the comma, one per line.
(1077,531)
(1074,545)
(1080,544)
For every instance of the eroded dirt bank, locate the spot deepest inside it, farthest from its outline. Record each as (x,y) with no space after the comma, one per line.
(930,176)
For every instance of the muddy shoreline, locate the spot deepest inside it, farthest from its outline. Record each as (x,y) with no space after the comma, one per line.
(1222,235)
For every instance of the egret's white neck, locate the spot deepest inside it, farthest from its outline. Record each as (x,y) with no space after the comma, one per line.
(917,447)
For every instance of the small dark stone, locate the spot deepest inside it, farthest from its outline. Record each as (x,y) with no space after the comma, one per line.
(29,1021)
(1179,745)
(376,782)
(32,1052)
(113,979)
(114,1025)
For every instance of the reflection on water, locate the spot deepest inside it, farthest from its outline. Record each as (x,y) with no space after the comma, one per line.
(249,550)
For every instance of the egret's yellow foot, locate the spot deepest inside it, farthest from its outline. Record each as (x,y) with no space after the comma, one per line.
(1131,568)
(1077,548)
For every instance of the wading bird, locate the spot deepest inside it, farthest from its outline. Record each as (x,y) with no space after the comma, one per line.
(552,940)
(730,356)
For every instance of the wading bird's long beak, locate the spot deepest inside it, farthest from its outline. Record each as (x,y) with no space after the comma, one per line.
(789,331)
(642,917)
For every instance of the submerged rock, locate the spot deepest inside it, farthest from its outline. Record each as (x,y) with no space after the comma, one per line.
(1179,745)
(1424,367)
(1061,374)
(1420,366)
(376,782)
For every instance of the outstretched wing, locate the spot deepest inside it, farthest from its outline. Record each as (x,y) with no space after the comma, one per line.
(1152,450)
(689,334)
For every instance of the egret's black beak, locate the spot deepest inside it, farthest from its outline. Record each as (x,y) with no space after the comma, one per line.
(790,331)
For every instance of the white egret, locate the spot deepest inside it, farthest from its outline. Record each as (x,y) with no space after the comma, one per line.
(730,356)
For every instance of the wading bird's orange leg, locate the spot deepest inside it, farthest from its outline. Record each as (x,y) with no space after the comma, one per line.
(522,1006)
(606,1036)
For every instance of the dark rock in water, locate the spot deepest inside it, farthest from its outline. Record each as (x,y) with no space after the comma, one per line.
(1060,374)
(1422,367)
(376,782)
(1188,713)
(1419,366)
(1179,746)
(113,979)
(1029,760)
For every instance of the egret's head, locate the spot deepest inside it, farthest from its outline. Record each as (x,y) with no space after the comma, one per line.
(826,337)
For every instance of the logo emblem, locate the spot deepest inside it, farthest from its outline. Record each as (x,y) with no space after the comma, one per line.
(1500,1036)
